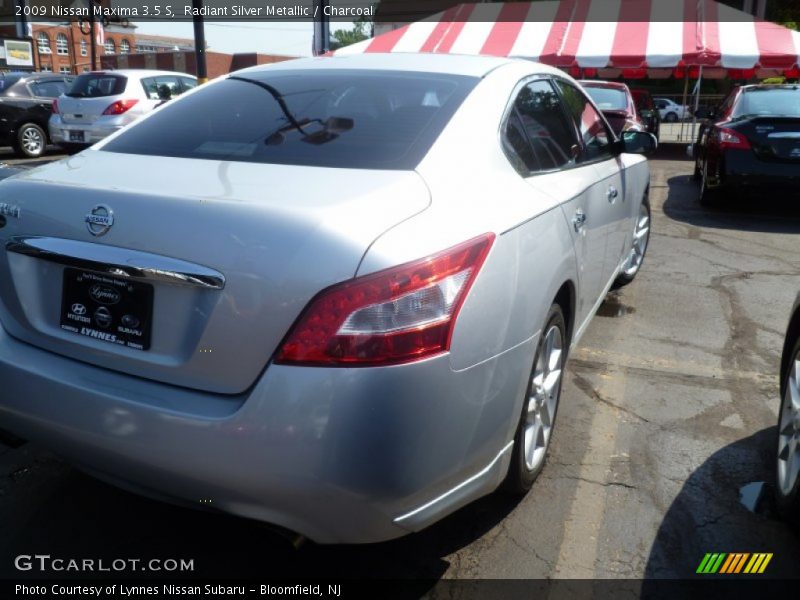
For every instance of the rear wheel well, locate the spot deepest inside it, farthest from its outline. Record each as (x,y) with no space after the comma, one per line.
(565,298)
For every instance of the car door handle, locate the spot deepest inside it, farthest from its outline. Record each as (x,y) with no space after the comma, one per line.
(612,193)
(579,220)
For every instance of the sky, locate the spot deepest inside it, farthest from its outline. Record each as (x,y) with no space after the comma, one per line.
(284,38)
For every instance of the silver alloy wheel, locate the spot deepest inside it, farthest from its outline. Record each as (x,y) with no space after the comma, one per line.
(543,399)
(32,141)
(789,431)
(641,236)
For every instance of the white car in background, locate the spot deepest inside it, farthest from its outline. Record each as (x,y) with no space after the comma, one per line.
(102,102)
(670,111)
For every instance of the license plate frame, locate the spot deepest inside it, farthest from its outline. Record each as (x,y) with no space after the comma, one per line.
(108,309)
(77,136)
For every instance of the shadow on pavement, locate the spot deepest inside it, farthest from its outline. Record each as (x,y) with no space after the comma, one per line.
(77,516)
(708,516)
(760,213)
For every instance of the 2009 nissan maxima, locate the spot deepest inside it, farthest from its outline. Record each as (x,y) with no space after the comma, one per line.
(332,294)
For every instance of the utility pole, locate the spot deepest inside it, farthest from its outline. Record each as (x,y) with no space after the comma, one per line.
(322,28)
(92,40)
(199,41)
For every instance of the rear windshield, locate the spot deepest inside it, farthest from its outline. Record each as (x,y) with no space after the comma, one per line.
(97,85)
(608,98)
(765,101)
(327,118)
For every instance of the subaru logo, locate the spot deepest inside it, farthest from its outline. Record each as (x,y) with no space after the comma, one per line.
(99,220)
(104,294)
(78,309)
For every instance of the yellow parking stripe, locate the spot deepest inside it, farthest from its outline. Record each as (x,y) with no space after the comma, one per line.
(765,563)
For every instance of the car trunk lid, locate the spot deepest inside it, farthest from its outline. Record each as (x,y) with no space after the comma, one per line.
(275,235)
(774,139)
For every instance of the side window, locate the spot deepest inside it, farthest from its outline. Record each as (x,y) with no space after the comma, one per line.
(594,134)
(537,131)
(161,87)
(188,83)
(47,89)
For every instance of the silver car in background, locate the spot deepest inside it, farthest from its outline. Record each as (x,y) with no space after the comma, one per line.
(332,294)
(100,103)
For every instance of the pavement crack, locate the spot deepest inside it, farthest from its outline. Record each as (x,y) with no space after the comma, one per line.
(586,387)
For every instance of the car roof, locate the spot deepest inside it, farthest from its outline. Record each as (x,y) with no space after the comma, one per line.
(769,86)
(606,84)
(455,64)
(138,72)
(30,75)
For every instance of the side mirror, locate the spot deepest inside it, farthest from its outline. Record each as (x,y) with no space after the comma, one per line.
(639,142)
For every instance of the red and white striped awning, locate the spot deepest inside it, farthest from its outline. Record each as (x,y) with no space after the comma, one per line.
(655,37)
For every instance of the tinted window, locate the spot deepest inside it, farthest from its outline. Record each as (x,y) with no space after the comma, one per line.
(766,101)
(95,85)
(48,89)
(346,118)
(594,134)
(7,81)
(540,120)
(608,98)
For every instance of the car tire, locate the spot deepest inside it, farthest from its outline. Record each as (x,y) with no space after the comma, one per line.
(787,480)
(641,239)
(671,117)
(708,196)
(31,141)
(539,406)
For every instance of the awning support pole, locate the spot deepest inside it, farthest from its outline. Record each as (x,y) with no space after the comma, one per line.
(697,100)
(683,102)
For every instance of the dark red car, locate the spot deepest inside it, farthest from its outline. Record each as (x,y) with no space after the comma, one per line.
(616,102)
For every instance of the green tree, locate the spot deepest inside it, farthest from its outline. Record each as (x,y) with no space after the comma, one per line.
(344,37)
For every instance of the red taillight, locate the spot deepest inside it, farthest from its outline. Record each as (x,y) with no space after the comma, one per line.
(398,315)
(120,106)
(728,138)
(55,106)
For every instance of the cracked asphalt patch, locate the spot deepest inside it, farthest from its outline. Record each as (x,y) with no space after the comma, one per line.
(668,408)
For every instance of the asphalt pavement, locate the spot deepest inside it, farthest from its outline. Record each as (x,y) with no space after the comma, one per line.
(664,447)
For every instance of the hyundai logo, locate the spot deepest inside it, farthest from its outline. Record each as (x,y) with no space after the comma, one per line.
(78,309)
(104,294)
(99,220)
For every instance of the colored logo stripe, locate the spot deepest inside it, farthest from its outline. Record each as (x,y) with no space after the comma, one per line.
(721,562)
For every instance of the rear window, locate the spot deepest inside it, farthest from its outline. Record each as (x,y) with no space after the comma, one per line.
(327,118)
(608,98)
(765,101)
(97,85)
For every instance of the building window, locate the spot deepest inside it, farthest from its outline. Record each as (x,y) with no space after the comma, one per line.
(43,43)
(62,44)
(85,69)
(84,49)
(124,47)
(65,70)
(46,69)
(110,47)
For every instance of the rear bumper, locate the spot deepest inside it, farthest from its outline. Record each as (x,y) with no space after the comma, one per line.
(93,132)
(338,455)
(742,169)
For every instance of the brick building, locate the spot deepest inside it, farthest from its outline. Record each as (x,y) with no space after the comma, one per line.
(64,48)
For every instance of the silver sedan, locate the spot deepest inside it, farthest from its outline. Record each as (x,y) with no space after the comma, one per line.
(788,465)
(337,295)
